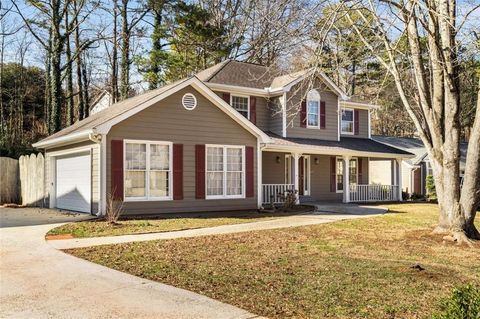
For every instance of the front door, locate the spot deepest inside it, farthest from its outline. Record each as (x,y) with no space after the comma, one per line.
(303,173)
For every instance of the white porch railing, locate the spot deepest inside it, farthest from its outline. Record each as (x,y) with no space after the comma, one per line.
(373,193)
(274,192)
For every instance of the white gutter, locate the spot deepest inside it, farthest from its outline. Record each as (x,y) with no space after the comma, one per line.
(64,140)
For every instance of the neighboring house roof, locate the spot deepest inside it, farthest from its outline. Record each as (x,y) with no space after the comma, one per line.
(346,146)
(101,102)
(416,147)
(102,121)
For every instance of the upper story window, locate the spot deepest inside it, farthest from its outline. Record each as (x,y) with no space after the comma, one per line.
(241,104)
(347,121)
(147,170)
(313,109)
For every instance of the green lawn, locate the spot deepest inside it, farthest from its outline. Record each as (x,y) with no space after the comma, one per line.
(349,269)
(99,228)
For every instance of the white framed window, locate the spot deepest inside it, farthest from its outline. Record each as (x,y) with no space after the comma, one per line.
(241,103)
(147,170)
(313,109)
(353,176)
(225,171)
(348,119)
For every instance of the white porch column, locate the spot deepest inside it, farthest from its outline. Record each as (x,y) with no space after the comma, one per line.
(296,175)
(399,178)
(259,175)
(346,179)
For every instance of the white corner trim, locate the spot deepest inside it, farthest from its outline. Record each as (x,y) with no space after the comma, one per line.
(339,119)
(284,114)
(259,175)
(103,175)
(369,123)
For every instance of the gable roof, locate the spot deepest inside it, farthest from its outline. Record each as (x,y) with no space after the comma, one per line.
(101,122)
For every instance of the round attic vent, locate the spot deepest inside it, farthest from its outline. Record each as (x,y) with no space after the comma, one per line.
(189,101)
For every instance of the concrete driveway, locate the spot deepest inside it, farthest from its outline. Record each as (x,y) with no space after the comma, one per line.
(38,281)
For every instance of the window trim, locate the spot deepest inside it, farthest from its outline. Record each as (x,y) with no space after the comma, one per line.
(148,198)
(319,106)
(353,122)
(248,103)
(224,195)
(336,179)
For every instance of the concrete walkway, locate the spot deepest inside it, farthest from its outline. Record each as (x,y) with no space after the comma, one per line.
(38,281)
(282,222)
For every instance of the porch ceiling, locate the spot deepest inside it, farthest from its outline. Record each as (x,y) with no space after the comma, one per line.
(349,146)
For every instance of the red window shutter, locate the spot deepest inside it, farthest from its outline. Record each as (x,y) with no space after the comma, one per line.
(333,174)
(226,97)
(177,171)
(303,114)
(117,169)
(356,122)
(249,172)
(360,175)
(200,171)
(322,114)
(253,109)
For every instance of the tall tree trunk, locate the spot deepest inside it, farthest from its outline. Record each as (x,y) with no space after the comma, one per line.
(86,95)
(78,66)
(55,77)
(69,76)
(114,79)
(2,53)
(125,54)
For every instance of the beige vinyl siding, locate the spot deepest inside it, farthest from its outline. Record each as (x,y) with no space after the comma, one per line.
(262,109)
(363,123)
(275,124)
(273,172)
(169,121)
(294,98)
(95,156)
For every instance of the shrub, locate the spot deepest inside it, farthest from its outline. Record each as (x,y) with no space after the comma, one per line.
(463,303)
(417,196)
(289,199)
(113,209)
(430,185)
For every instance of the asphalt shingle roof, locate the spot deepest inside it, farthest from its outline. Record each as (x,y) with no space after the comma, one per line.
(345,144)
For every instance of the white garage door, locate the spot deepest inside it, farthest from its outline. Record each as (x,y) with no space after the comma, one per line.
(73,184)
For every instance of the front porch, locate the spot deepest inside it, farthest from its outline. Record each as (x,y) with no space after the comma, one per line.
(321,177)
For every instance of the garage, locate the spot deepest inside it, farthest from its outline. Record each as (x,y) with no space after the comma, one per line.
(73,182)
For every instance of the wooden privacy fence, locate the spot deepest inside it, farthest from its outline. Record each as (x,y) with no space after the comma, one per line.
(9,180)
(32,179)
(23,181)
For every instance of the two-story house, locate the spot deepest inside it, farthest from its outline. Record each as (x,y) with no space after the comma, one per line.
(231,137)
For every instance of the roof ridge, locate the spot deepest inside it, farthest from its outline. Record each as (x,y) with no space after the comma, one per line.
(224,63)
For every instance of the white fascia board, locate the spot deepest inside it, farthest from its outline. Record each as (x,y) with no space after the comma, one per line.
(328,151)
(359,105)
(237,89)
(65,140)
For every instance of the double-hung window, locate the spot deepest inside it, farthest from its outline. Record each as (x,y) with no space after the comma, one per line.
(241,104)
(347,121)
(313,109)
(353,176)
(148,170)
(225,171)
